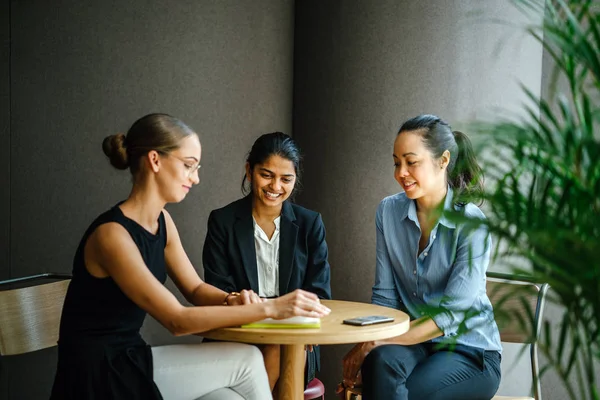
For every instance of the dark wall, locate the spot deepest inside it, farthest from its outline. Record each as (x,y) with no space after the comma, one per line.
(85,70)
(4,139)
(4,161)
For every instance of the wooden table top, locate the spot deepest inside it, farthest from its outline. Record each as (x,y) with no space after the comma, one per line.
(332,330)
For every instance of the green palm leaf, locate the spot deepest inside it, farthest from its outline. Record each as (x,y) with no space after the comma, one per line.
(543,192)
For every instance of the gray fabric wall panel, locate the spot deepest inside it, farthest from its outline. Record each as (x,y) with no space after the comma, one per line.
(84,70)
(361,69)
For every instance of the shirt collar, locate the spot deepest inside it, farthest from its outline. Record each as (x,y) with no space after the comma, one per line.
(276,221)
(411,210)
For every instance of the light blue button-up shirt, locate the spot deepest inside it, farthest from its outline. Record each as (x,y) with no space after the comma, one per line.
(446,281)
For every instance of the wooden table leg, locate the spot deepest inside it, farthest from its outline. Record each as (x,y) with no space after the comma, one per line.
(291,376)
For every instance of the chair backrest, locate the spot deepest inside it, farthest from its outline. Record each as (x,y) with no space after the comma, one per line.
(30,316)
(518,306)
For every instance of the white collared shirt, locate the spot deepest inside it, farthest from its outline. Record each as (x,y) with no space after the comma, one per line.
(267,260)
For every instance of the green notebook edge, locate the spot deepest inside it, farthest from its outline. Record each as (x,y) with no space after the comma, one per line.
(315,325)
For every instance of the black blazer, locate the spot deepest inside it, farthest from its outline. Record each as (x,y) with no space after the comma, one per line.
(229,255)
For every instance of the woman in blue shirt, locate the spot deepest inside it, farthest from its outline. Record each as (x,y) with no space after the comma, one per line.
(434,270)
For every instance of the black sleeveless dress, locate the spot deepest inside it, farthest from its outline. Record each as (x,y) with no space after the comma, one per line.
(101,355)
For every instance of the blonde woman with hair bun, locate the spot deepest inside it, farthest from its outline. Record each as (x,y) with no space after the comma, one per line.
(119,271)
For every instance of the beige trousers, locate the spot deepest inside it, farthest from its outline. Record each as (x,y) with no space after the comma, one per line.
(210,371)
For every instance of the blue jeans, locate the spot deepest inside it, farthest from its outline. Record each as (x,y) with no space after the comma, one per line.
(425,372)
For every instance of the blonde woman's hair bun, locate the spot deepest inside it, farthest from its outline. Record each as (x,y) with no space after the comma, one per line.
(158,132)
(115,148)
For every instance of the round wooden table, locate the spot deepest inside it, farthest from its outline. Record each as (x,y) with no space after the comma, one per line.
(332,331)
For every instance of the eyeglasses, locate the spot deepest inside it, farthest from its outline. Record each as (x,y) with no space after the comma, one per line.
(190,167)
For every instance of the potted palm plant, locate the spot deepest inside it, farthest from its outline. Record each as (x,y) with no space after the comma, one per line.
(543,196)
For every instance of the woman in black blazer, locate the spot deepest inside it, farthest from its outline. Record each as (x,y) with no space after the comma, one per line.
(266,243)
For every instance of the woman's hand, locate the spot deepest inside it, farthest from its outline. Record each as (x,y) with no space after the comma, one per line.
(296,303)
(353,361)
(244,297)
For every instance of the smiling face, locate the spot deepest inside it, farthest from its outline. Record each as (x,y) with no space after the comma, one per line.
(272,181)
(179,170)
(419,174)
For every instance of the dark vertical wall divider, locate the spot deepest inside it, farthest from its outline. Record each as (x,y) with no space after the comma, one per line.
(4,162)
(4,138)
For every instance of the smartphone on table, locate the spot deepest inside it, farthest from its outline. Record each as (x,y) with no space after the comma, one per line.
(368,320)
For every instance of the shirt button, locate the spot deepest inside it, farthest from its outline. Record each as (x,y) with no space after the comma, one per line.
(425,254)
(270,269)
(414,294)
(415,272)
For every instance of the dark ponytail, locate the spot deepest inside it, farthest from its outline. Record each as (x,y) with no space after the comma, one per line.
(465,176)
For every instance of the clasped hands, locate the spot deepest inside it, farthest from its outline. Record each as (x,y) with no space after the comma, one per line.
(298,302)
(352,362)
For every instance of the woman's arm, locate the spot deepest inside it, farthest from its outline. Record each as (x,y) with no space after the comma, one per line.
(189,283)
(466,282)
(112,249)
(183,274)
(463,287)
(318,276)
(421,330)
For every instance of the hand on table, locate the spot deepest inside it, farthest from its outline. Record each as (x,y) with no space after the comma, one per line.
(353,361)
(297,303)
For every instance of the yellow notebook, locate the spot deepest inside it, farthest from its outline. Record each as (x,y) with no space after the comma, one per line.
(287,323)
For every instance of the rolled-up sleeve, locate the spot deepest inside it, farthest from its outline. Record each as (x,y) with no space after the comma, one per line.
(384,290)
(468,273)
